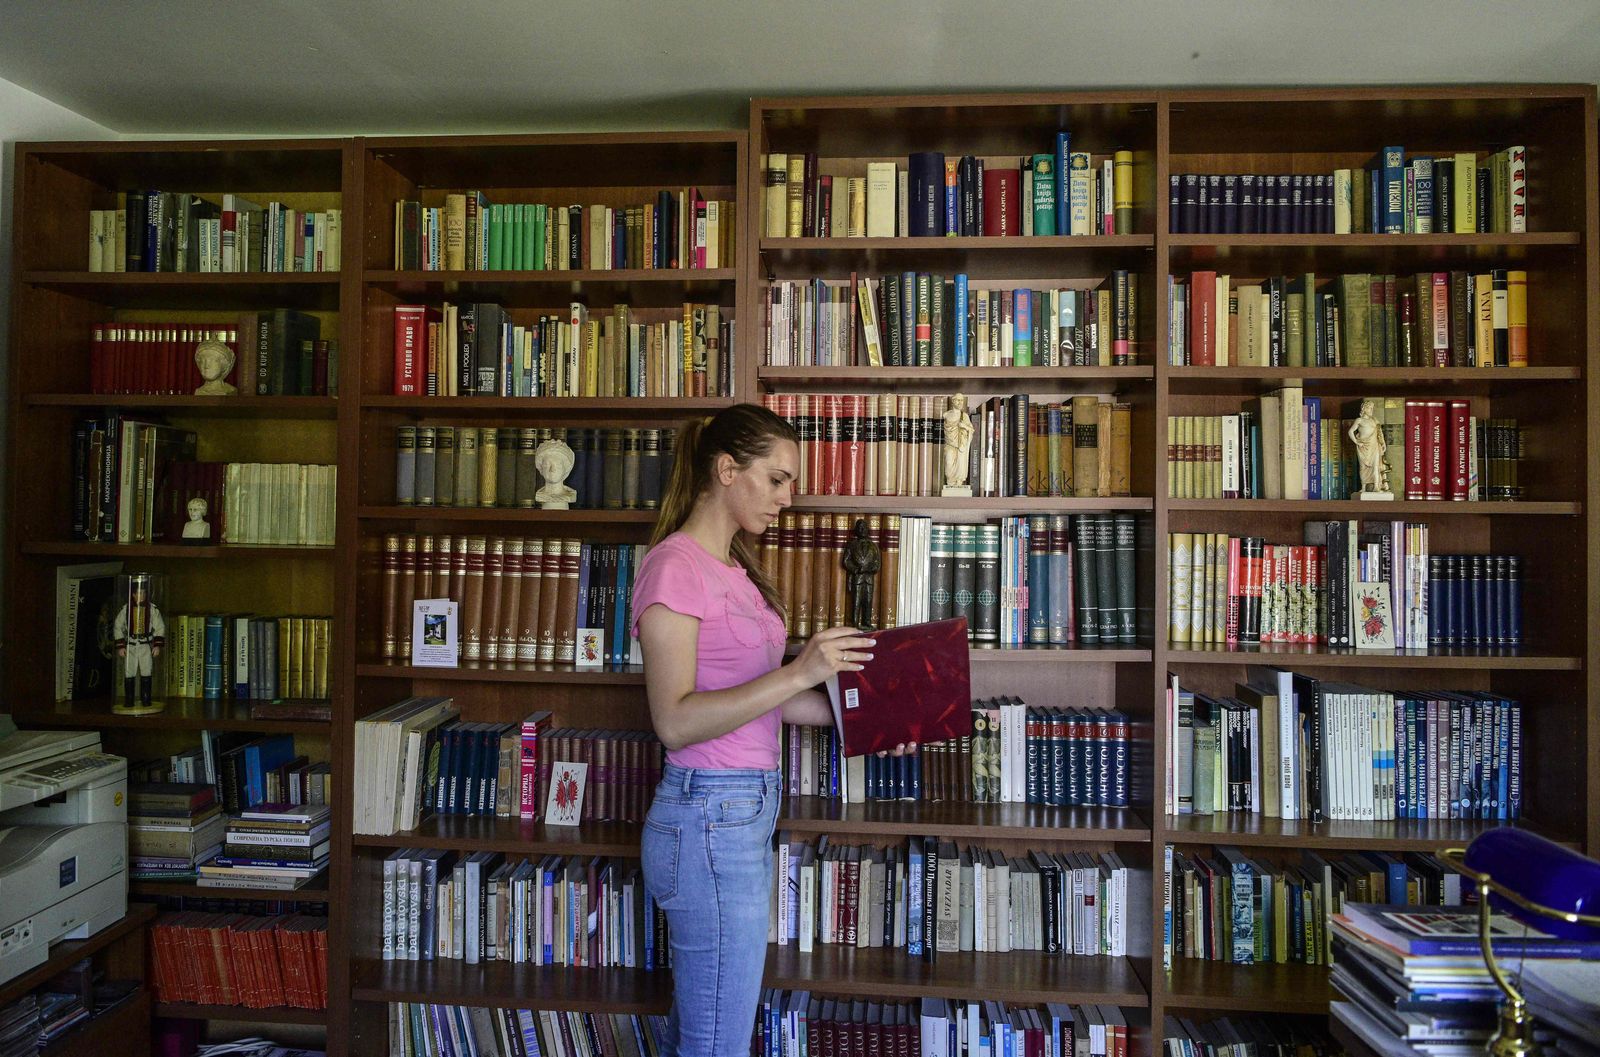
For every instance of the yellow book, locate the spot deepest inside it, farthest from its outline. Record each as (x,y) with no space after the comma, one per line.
(1122,192)
(1483,318)
(1517,317)
(455,232)
(1102,304)
(1223,324)
(1466,193)
(591,358)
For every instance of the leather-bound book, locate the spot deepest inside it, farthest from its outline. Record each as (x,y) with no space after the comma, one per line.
(506,468)
(407,592)
(391,596)
(805,553)
(630,470)
(917,687)
(443,552)
(508,635)
(1085,445)
(472,599)
(566,628)
(528,600)
(424,577)
(839,608)
(458,574)
(889,615)
(494,567)
(825,558)
(405,465)
(611,470)
(444,466)
(466,465)
(426,464)
(788,545)
(550,575)
(488,465)
(650,479)
(527,476)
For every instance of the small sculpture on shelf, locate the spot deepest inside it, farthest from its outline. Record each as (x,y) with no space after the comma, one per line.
(862,560)
(553,459)
(957,442)
(140,633)
(197,530)
(1367,435)
(215,360)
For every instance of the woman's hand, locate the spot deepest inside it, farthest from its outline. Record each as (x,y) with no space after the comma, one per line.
(840,649)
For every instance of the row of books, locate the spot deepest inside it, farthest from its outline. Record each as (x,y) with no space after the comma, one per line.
(480,349)
(576,911)
(172,828)
(1288,746)
(894,444)
(1061,192)
(1037,579)
(273,847)
(613,468)
(245,658)
(1016,753)
(1431,319)
(418,1029)
(1232,456)
(520,599)
(1226,906)
(931,897)
(276,353)
(1263,1036)
(675,229)
(240,960)
(171,231)
(244,771)
(916,319)
(1391,195)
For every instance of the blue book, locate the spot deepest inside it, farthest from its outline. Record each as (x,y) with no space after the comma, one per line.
(952,199)
(1241,910)
(960,327)
(914,898)
(1392,163)
(617,636)
(1063,164)
(214,676)
(259,757)
(925,172)
(1022,327)
(1313,419)
(1120,761)
(1452,931)
(1511,801)
(584,560)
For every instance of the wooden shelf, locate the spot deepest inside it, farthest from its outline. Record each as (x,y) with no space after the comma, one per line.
(549,406)
(1340,657)
(195,291)
(240,406)
(515,986)
(1268,988)
(510,672)
(182,713)
(241,1014)
(109,1031)
(519,515)
(65,952)
(1028,655)
(921,244)
(962,821)
(993,506)
(1458,380)
(512,835)
(640,287)
(205,280)
(1019,976)
(1317,508)
(1257,831)
(315,891)
(1016,255)
(1326,240)
(87,549)
(965,379)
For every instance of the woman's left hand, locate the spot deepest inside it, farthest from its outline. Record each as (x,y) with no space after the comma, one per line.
(905,748)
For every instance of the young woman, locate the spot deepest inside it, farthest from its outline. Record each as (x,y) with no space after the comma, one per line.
(708,620)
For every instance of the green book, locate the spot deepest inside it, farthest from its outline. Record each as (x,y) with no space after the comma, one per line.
(497,242)
(541,216)
(529,233)
(1294,328)
(1355,314)
(1044,195)
(1205,768)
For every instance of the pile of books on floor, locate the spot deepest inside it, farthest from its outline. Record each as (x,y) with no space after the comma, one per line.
(173,827)
(1414,977)
(272,846)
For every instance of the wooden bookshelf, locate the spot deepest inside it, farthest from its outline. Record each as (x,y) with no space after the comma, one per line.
(1171,131)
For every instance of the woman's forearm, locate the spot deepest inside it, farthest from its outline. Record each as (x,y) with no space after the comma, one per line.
(707,714)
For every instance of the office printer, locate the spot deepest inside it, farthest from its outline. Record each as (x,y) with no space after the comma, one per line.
(63,843)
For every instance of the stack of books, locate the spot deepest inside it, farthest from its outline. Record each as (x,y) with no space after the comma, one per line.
(274,846)
(1414,978)
(173,827)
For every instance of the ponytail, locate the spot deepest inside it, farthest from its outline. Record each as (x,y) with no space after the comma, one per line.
(743,431)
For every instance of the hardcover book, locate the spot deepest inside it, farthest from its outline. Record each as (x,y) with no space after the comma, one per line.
(917,688)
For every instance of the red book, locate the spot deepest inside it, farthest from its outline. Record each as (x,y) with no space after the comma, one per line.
(1416,465)
(811,416)
(1202,319)
(1314,578)
(1460,427)
(1435,450)
(1001,188)
(410,349)
(1234,585)
(853,459)
(917,687)
(831,444)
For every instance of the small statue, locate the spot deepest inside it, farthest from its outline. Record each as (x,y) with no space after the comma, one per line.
(1367,435)
(957,442)
(197,529)
(553,459)
(215,360)
(862,560)
(140,632)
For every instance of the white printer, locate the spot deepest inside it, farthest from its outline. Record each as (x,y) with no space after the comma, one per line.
(63,843)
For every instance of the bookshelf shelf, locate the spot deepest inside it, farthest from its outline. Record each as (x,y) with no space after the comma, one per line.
(989,507)
(1020,976)
(1314,508)
(193,291)
(509,672)
(1473,381)
(1027,655)
(1258,831)
(640,287)
(182,713)
(520,515)
(173,280)
(1495,241)
(1326,657)
(64,953)
(1268,988)
(987,258)
(109,1031)
(962,821)
(511,835)
(546,406)
(85,549)
(514,986)
(241,1014)
(266,407)
(965,379)
(314,891)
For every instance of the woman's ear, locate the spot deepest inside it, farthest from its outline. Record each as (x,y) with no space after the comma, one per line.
(725,468)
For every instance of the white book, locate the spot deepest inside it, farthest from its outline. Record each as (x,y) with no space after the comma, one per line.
(1222,318)
(881,182)
(778,927)
(902,202)
(1230,457)
(1342,187)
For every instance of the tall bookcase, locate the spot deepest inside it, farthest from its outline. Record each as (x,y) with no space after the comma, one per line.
(1299,130)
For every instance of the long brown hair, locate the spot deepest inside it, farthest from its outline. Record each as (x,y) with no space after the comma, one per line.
(744,432)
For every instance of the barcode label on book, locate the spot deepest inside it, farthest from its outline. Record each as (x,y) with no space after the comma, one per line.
(852,698)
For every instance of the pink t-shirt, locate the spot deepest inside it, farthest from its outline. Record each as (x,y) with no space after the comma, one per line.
(741,638)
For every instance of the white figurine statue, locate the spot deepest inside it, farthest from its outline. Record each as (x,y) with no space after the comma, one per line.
(1367,435)
(197,528)
(957,443)
(215,360)
(553,459)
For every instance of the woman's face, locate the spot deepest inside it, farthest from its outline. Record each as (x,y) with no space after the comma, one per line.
(758,493)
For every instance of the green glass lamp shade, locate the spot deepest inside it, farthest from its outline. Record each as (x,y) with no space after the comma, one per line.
(1542,872)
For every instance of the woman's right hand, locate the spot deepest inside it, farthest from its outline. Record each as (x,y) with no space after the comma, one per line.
(841,649)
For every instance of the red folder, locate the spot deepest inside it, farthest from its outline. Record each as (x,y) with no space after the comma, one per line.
(917,687)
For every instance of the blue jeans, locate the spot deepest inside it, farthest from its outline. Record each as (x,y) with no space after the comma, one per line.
(707,851)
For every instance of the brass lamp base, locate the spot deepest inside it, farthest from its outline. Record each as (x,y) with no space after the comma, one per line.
(1514,1036)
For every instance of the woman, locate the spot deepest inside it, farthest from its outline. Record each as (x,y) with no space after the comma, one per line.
(708,621)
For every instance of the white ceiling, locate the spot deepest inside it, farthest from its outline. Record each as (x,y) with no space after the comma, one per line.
(364,66)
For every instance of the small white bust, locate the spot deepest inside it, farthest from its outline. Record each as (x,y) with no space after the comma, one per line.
(553,459)
(957,444)
(197,527)
(215,360)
